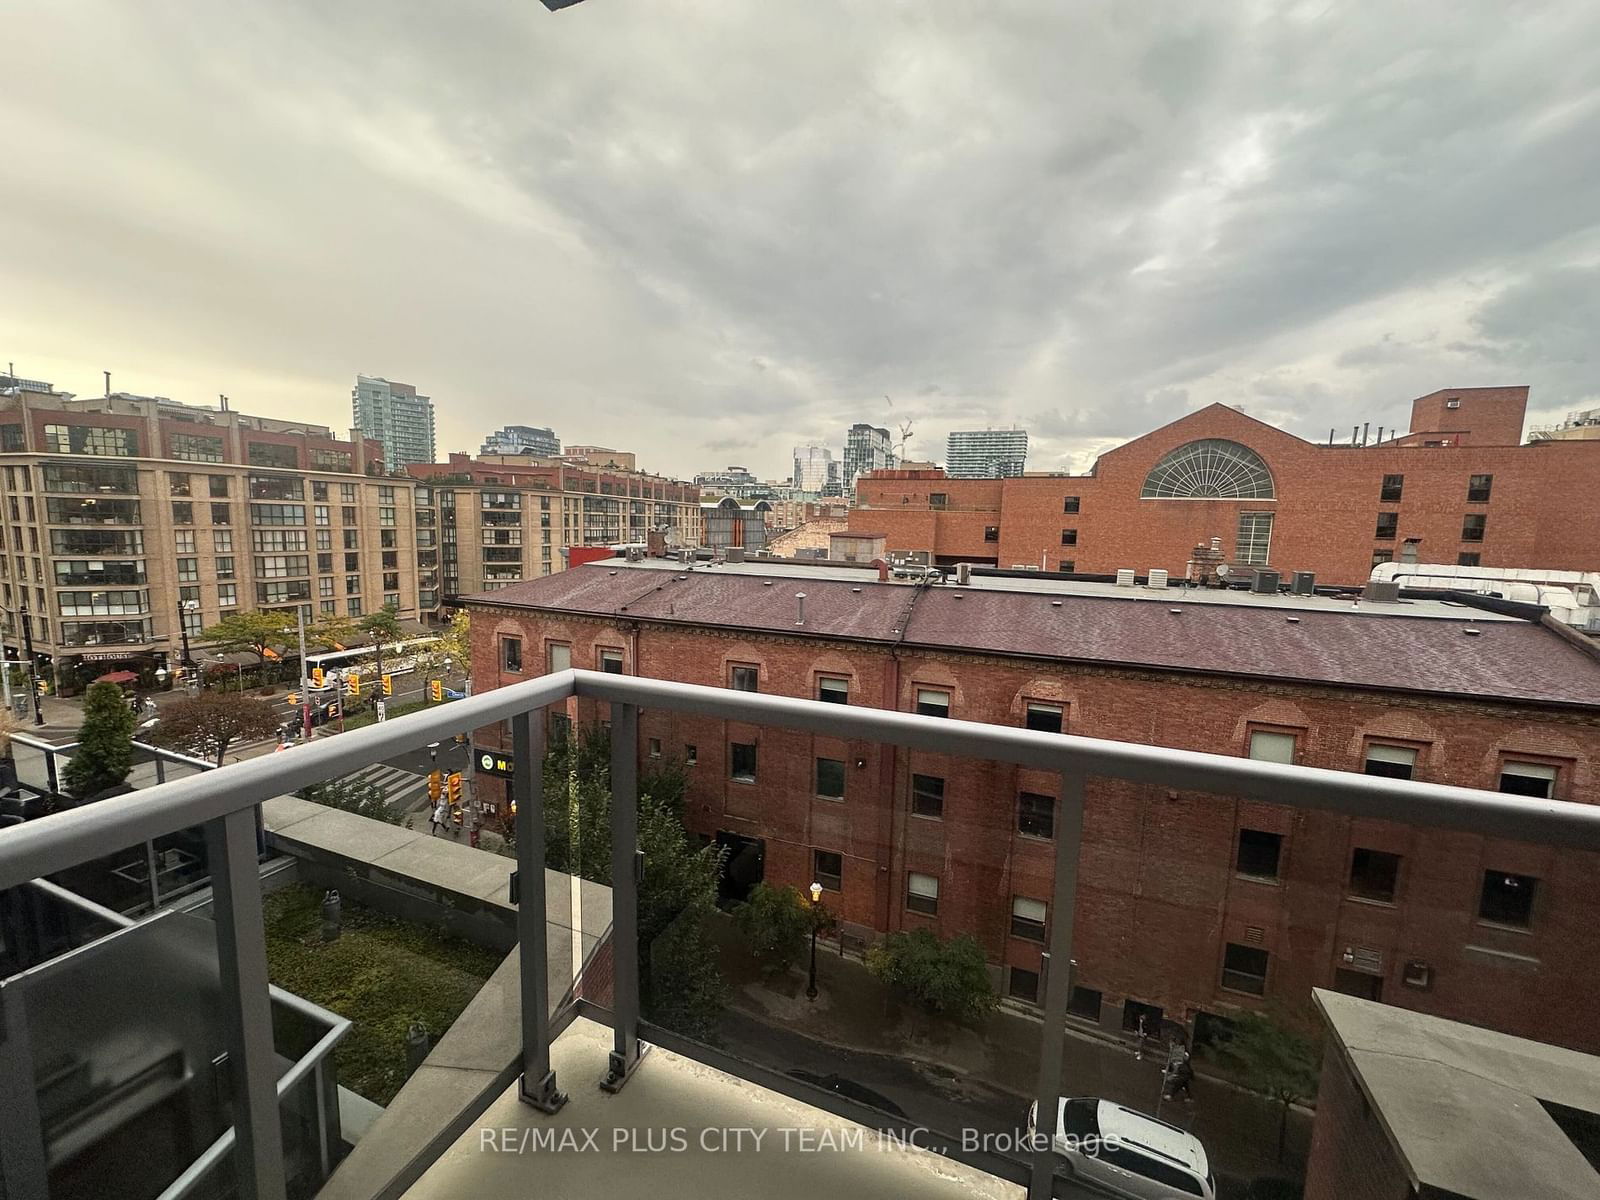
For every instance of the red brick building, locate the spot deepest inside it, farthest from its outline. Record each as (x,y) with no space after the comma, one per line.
(1459,483)
(1188,904)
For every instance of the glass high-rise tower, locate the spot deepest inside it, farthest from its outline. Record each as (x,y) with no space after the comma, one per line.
(397,416)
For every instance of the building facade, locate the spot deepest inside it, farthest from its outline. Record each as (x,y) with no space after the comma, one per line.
(484,525)
(123,511)
(395,416)
(867,448)
(986,453)
(1190,906)
(816,471)
(1459,487)
(521,439)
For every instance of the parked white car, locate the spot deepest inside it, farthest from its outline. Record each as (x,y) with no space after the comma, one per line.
(1128,1154)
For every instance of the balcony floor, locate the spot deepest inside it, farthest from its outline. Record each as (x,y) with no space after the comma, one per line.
(670,1094)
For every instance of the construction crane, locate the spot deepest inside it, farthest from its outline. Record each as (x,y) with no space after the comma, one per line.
(905,438)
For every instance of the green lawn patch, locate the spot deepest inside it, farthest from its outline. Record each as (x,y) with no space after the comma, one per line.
(381,973)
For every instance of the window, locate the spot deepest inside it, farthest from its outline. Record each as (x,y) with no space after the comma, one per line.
(1468,558)
(283,593)
(1244,969)
(270,454)
(830,778)
(282,566)
(1272,747)
(1528,779)
(922,893)
(991,533)
(1254,540)
(325,586)
(347,514)
(927,796)
(276,487)
(611,662)
(1068,566)
(278,514)
(183,541)
(352,539)
(559,656)
(1084,1003)
(217,487)
(325,564)
(352,585)
(933,703)
(691,755)
(1046,718)
(322,514)
(194,447)
(223,567)
(1069,537)
(1393,486)
(352,562)
(324,539)
(1478,488)
(827,867)
(1036,815)
(1258,853)
(1472,527)
(654,747)
(91,439)
(1374,874)
(743,679)
(221,514)
(742,762)
(331,460)
(1392,762)
(227,595)
(183,512)
(1388,527)
(1027,918)
(833,689)
(1070,504)
(938,499)
(74,477)
(1380,557)
(386,516)
(347,493)
(1507,899)
(1022,984)
(178,484)
(272,541)
(511,654)
(1211,469)
(352,607)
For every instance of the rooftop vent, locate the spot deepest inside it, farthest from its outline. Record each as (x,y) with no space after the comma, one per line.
(1158,577)
(1055,604)
(1125,577)
(800,608)
(1470,632)
(1293,620)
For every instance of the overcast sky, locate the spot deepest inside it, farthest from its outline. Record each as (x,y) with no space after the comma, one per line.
(710,229)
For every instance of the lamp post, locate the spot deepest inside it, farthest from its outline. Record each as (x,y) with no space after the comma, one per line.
(33,663)
(816,899)
(184,608)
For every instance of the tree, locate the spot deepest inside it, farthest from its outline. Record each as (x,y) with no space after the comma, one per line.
(208,723)
(777,922)
(105,744)
(352,795)
(948,979)
(1275,1055)
(255,632)
(333,632)
(380,627)
(455,644)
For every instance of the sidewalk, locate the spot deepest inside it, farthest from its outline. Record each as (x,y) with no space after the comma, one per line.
(992,1071)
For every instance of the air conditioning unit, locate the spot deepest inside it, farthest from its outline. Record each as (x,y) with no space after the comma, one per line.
(1158,577)
(1125,577)
(635,554)
(1265,583)
(1303,583)
(733,554)
(1384,591)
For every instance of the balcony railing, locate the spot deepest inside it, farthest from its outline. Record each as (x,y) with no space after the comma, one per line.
(224,802)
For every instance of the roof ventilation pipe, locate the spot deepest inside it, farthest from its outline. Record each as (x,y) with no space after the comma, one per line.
(800,608)
(1408,551)
(883,570)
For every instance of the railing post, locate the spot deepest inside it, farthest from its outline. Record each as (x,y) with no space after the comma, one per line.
(625,872)
(23,1173)
(246,1007)
(538,1086)
(1057,983)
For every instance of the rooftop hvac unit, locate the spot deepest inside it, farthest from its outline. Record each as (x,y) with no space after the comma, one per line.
(1158,577)
(1303,583)
(733,554)
(1265,583)
(1125,577)
(635,554)
(963,573)
(1385,591)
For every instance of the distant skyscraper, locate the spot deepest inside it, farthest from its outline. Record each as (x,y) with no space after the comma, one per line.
(523,439)
(816,470)
(395,415)
(986,453)
(866,448)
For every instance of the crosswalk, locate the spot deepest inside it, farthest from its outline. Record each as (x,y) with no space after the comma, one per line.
(404,791)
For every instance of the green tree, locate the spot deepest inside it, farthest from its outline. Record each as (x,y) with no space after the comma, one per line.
(1274,1053)
(455,644)
(207,724)
(253,632)
(777,923)
(105,744)
(352,795)
(948,979)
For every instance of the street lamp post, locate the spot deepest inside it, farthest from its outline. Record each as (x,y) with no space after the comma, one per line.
(33,664)
(816,899)
(184,608)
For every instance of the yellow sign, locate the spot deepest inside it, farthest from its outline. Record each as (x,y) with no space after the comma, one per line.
(388,685)
(435,691)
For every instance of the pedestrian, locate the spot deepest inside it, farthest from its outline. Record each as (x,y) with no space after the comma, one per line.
(1180,1073)
(441,814)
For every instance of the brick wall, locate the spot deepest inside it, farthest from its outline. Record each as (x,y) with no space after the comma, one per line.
(1158,897)
(1325,512)
(1351,1158)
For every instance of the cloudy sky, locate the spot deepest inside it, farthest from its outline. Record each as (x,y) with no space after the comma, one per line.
(710,229)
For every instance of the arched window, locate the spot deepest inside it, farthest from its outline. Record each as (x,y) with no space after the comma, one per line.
(1211,469)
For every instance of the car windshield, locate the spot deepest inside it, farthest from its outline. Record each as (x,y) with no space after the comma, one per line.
(1078,1117)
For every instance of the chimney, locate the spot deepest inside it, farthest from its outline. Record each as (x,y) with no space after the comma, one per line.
(1364,429)
(222,403)
(1408,551)
(1355,432)
(800,608)
(1378,441)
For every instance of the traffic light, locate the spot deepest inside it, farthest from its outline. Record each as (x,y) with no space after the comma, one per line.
(352,684)
(455,788)
(293,699)
(435,786)
(42,686)
(436,690)
(317,676)
(388,685)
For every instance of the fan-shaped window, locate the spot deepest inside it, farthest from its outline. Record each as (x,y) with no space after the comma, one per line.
(1212,469)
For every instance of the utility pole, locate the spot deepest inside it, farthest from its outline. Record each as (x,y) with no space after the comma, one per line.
(183,633)
(33,664)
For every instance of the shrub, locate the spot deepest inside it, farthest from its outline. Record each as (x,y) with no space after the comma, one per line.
(105,744)
(948,979)
(776,921)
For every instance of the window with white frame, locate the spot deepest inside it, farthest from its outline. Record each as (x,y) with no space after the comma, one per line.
(922,893)
(1271,746)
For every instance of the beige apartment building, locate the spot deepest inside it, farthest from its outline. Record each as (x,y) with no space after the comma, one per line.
(503,518)
(123,512)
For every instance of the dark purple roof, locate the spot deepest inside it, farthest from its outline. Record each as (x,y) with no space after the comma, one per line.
(1512,660)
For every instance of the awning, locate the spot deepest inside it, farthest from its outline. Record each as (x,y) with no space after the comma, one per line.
(118,677)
